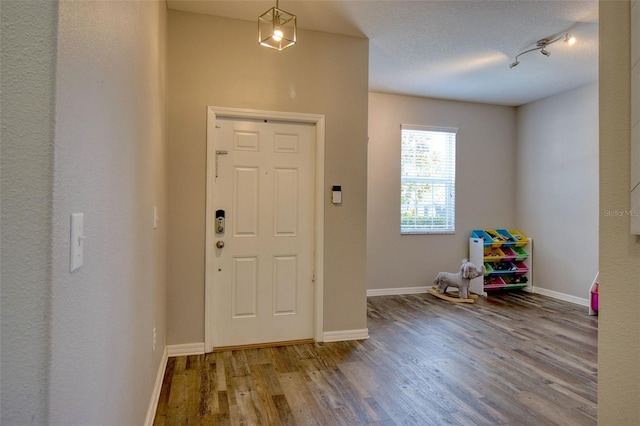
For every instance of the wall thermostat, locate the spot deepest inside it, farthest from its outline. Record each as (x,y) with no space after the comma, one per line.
(336,197)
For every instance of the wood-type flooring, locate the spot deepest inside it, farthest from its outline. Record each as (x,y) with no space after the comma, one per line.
(513,358)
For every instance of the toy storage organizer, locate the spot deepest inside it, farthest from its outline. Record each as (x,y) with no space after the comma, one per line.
(506,255)
(594,293)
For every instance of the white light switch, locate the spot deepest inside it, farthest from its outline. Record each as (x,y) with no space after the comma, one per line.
(336,194)
(77,240)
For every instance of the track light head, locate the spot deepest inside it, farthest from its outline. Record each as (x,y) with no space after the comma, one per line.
(545,52)
(514,64)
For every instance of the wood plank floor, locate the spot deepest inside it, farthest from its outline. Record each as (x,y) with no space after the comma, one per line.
(511,359)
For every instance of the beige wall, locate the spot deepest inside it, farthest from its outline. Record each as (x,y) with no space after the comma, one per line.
(27,66)
(485,185)
(635,113)
(83,130)
(619,316)
(217,61)
(557,192)
(110,163)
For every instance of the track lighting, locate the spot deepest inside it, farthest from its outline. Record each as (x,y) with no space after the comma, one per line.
(541,45)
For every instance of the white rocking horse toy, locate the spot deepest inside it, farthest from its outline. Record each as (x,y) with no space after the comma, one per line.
(461,280)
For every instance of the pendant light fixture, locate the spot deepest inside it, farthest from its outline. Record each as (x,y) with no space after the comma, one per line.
(277,28)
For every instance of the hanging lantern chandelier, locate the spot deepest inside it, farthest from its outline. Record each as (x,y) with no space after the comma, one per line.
(277,28)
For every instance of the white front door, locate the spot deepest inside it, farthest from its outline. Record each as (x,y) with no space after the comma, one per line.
(263,260)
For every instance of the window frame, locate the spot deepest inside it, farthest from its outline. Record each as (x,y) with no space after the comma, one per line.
(449,181)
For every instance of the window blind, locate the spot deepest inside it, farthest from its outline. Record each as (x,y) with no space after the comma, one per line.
(428,180)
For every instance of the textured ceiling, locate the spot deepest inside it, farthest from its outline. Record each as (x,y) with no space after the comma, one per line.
(451,49)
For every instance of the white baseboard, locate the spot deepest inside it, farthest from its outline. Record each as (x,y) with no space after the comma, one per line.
(539,290)
(396,291)
(186,349)
(343,335)
(328,336)
(157,387)
(557,295)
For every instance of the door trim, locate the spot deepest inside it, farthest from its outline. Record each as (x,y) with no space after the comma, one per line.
(213,112)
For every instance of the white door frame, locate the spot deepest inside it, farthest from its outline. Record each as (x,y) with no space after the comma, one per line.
(209,277)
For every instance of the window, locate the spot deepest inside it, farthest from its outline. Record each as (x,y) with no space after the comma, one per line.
(428,180)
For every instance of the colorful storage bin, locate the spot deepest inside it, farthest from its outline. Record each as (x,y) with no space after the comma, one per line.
(520,238)
(494,282)
(500,237)
(479,233)
(521,253)
(496,237)
(493,254)
(504,267)
(487,268)
(515,280)
(521,267)
(509,253)
(505,237)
